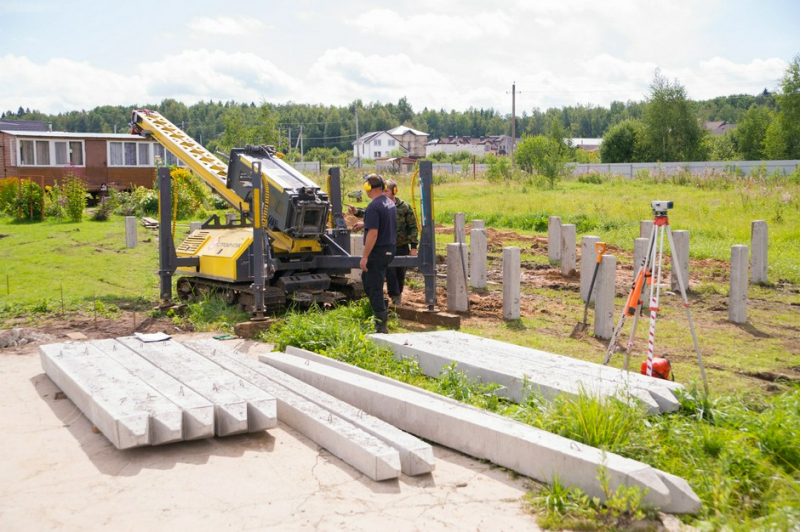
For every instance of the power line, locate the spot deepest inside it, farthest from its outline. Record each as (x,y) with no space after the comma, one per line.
(326,138)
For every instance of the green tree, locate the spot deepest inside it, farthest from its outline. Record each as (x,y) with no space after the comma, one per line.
(237,133)
(672,129)
(751,132)
(265,130)
(783,135)
(624,142)
(721,147)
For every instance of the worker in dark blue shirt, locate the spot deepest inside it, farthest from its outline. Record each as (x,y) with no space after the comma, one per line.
(380,232)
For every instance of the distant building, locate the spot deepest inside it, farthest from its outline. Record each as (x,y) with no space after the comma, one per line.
(379,144)
(412,140)
(479,146)
(720,127)
(376,144)
(395,164)
(586,144)
(116,161)
(22,125)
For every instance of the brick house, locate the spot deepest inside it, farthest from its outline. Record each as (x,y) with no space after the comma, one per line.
(114,160)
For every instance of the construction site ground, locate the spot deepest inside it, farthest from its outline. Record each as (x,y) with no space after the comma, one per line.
(60,474)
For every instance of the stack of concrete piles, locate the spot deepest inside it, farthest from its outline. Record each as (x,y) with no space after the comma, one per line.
(139,394)
(521,370)
(525,449)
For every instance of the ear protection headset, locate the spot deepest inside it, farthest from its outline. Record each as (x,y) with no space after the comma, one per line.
(394,190)
(368,186)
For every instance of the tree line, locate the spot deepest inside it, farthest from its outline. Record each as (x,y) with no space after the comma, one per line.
(665,126)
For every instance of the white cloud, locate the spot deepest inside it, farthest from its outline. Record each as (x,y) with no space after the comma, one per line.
(432,27)
(190,76)
(63,85)
(193,75)
(225,25)
(342,75)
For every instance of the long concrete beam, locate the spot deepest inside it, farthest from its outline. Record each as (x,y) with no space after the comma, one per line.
(525,449)
(416,456)
(198,412)
(127,410)
(240,406)
(361,450)
(521,369)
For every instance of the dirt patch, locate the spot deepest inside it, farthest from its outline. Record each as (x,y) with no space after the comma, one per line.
(58,328)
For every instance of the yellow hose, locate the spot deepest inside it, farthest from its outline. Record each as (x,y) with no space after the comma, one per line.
(330,211)
(174,207)
(414,201)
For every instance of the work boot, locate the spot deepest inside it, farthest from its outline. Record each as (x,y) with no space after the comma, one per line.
(381,319)
(396,300)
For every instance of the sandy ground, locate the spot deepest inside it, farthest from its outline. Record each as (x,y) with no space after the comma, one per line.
(57,474)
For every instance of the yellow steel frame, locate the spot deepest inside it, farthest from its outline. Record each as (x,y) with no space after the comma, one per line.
(195,156)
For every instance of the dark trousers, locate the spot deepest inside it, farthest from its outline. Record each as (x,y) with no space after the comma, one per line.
(396,277)
(373,278)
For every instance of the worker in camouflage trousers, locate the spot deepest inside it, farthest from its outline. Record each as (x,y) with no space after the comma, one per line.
(407,239)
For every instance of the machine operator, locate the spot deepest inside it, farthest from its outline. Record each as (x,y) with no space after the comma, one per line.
(406,243)
(380,233)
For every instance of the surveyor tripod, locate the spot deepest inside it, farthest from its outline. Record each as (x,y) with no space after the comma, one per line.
(651,264)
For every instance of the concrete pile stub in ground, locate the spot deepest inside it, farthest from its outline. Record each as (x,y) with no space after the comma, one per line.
(525,449)
(520,370)
(326,427)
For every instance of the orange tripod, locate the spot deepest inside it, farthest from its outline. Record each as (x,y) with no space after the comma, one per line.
(633,306)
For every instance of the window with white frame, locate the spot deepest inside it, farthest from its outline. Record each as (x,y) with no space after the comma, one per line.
(50,152)
(140,154)
(390,142)
(376,154)
(377,142)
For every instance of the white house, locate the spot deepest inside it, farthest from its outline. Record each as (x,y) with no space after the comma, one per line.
(376,144)
(412,140)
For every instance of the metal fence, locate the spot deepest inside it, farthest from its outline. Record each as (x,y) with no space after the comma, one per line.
(622,169)
(703,167)
(307,166)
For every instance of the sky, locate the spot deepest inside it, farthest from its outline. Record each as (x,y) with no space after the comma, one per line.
(65,55)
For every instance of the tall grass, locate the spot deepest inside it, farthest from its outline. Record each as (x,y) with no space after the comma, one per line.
(741,456)
(716,209)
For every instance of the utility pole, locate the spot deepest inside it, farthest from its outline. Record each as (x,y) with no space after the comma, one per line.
(289,136)
(358,136)
(513,121)
(301,143)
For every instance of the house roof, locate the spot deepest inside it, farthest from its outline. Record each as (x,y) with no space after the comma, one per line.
(402,130)
(22,125)
(64,134)
(719,127)
(366,137)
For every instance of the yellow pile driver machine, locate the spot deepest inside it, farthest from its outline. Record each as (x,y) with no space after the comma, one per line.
(289,241)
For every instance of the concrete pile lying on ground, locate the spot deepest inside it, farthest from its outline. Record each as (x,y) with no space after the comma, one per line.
(525,449)
(149,393)
(521,370)
(326,420)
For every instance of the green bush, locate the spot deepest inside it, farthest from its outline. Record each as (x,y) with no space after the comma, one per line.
(74,190)
(499,168)
(28,206)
